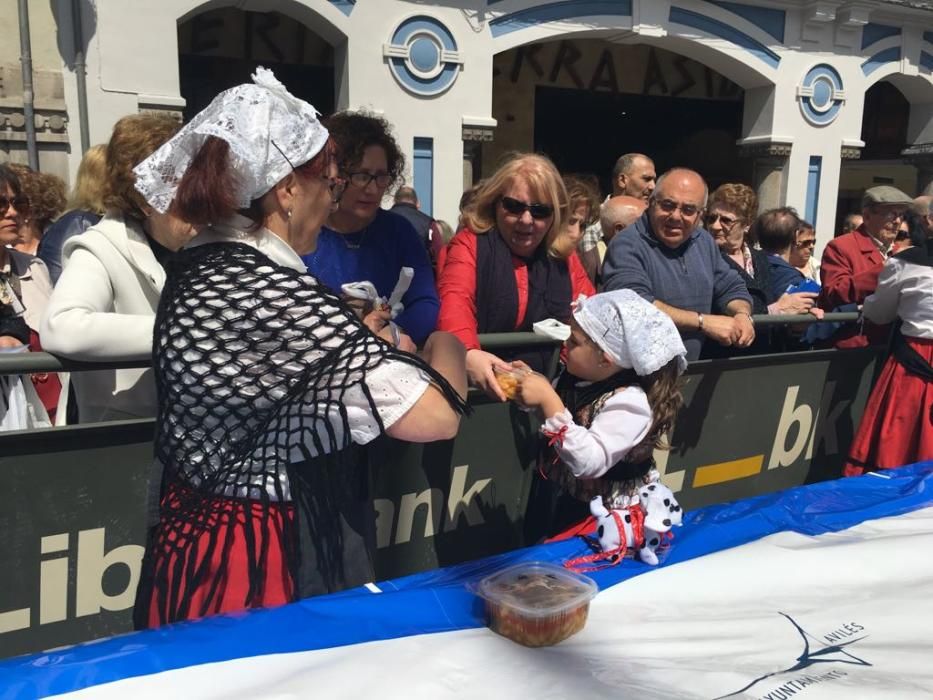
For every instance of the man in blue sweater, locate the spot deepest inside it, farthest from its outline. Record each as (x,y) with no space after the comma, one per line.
(669,260)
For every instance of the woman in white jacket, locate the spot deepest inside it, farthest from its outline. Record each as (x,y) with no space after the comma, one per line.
(103,307)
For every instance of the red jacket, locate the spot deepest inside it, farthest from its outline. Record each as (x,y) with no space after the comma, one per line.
(457,287)
(849,272)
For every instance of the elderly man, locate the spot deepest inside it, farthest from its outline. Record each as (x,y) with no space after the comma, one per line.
(406,205)
(633,175)
(923,208)
(615,214)
(850,223)
(851,262)
(669,260)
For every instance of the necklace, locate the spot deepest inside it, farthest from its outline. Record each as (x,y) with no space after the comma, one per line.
(355,245)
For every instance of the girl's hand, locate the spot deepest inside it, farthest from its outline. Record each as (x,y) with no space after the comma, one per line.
(535,391)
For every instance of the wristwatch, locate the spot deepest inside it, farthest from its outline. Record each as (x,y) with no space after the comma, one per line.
(699,321)
(751,319)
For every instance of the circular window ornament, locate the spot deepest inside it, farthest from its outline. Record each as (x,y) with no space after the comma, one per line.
(821,95)
(422,56)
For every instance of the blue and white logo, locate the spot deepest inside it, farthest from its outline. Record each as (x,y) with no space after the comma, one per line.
(821,95)
(423,57)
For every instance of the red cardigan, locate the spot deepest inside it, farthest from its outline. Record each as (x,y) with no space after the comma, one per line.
(849,271)
(457,287)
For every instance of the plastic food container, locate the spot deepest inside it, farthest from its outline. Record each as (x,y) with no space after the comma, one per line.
(509,379)
(536,604)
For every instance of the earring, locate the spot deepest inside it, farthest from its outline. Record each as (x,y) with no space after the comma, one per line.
(289,213)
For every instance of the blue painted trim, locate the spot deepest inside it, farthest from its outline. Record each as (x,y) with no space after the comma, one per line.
(423,172)
(879,59)
(438,601)
(873,33)
(568,9)
(345,6)
(926,60)
(813,78)
(766,19)
(814,174)
(724,31)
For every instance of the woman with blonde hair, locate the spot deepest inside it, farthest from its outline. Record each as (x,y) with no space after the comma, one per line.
(84,209)
(498,276)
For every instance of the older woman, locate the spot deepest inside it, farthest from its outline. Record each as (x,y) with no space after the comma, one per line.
(730,213)
(85,208)
(46,195)
(498,276)
(268,383)
(583,210)
(104,303)
(362,241)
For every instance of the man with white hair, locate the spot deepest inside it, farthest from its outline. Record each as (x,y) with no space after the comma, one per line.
(923,209)
(615,214)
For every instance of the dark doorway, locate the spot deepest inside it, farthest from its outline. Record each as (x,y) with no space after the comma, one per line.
(222,48)
(585,131)
(884,122)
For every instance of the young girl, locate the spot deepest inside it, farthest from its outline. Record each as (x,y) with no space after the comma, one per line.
(610,409)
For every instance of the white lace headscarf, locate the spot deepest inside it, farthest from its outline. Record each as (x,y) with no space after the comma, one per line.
(634,333)
(269,130)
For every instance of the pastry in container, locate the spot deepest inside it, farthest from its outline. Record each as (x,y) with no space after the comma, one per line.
(536,603)
(509,380)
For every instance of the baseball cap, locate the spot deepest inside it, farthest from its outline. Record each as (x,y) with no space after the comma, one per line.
(885,194)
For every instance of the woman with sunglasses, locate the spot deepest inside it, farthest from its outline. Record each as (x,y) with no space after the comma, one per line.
(269,385)
(25,286)
(801,253)
(362,241)
(731,211)
(499,276)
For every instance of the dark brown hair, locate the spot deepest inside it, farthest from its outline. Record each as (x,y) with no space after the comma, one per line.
(354,132)
(663,388)
(46,194)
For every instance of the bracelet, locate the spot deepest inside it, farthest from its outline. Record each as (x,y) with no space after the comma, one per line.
(699,321)
(745,313)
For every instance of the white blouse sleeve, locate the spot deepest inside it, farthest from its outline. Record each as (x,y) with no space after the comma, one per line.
(621,424)
(881,306)
(395,387)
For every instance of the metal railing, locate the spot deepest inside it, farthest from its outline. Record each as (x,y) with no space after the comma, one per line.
(20,363)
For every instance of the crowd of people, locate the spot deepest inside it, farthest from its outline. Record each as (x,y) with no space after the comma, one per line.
(290,319)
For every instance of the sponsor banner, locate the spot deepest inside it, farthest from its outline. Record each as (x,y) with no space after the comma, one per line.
(73,516)
(816,592)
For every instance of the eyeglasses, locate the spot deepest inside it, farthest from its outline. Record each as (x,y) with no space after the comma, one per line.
(517,208)
(809,243)
(362,179)
(727,221)
(669,206)
(20,204)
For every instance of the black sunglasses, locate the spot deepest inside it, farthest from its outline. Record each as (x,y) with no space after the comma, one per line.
(20,204)
(517,208)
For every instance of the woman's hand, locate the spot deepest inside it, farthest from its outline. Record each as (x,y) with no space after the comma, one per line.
(797,303)
(8,341)
(402,341)
(376,320)
(479,364)
(535,391)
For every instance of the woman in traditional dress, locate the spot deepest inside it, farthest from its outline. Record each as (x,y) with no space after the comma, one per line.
(897,425)
(268,384)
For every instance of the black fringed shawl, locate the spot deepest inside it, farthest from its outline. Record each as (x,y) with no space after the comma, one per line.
(253,362)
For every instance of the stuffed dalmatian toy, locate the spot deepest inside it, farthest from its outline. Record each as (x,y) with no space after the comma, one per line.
(661,512)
